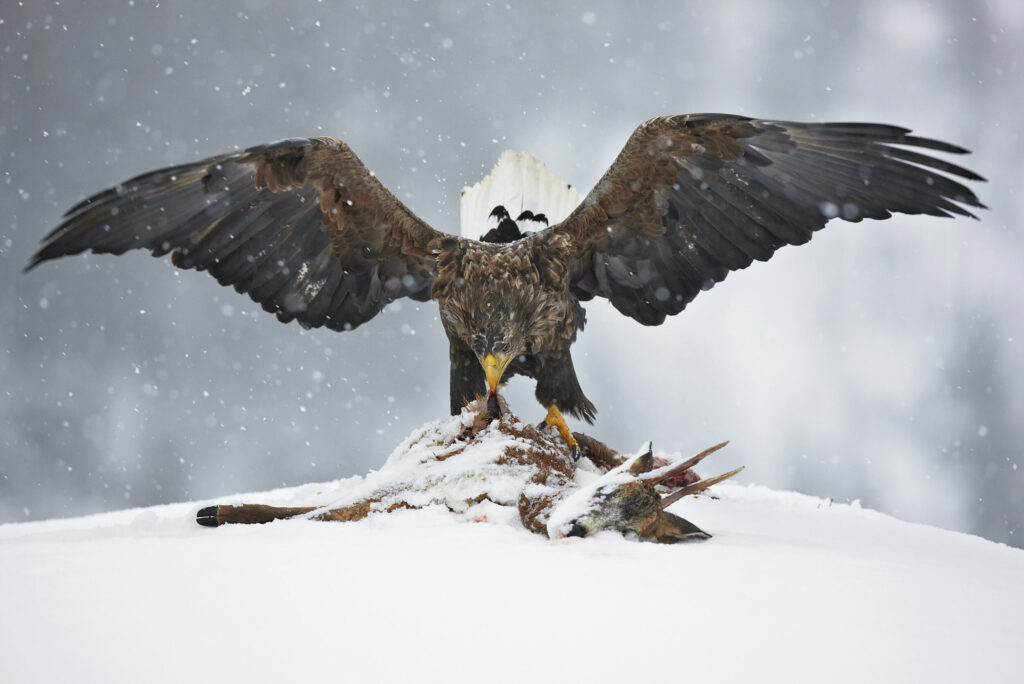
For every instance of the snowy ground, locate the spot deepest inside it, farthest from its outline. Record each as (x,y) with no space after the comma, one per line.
(791,588)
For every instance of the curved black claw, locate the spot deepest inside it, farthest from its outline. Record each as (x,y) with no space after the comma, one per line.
(207,517)
(574,452)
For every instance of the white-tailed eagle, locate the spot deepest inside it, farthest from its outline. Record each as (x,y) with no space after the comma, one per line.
(307,231)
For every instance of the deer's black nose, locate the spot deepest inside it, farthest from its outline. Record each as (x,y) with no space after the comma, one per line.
(576,530)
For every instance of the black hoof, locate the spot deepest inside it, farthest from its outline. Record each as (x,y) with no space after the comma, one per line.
(207,517)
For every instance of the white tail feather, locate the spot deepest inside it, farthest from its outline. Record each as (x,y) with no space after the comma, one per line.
(518,182)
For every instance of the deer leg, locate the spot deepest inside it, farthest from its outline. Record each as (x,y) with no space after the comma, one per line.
(248,514)
(599,453)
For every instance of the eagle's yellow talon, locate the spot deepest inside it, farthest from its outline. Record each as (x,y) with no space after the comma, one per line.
(556,420)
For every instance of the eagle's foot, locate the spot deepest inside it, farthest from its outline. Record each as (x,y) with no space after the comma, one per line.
(626,499)
(556,420)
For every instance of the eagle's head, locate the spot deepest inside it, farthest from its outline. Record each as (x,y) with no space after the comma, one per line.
(497,336)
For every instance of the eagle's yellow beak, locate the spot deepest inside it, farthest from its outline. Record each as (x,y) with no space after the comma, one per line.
(494,368)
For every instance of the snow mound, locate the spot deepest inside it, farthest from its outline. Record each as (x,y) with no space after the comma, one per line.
(433,466)
(790,588)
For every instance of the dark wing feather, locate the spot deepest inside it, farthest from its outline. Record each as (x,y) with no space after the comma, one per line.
(691,198)
(300,225)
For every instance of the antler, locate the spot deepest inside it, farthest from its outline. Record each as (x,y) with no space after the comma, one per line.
(666,472)
(696,487)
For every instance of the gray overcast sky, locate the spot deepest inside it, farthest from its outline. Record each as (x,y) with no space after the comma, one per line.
(879,362)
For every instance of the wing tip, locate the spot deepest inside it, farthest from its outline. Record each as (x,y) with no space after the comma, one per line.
(32,263)
(45,253)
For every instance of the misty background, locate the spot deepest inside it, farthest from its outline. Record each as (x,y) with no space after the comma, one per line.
(880,363)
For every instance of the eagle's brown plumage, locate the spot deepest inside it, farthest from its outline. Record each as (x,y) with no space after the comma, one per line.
(300,225)
(308,232)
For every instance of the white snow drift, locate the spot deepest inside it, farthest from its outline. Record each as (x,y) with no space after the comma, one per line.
(790,588)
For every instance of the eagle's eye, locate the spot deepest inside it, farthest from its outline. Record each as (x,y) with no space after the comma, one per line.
(476,343)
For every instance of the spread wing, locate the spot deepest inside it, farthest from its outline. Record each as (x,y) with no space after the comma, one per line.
(300,225)
(691,198)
